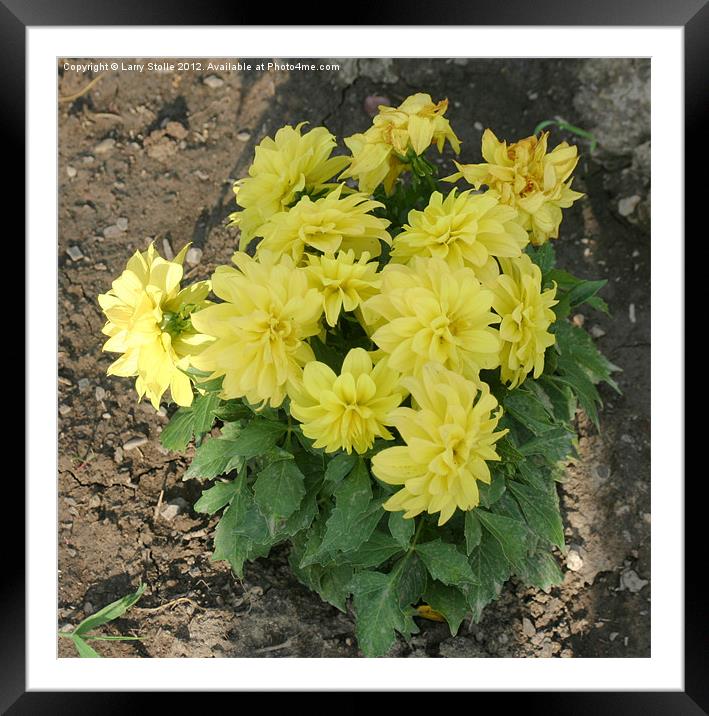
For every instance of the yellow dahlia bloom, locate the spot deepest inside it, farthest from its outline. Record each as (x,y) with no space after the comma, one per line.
(149,324)
(260,329)
(449,435)
(526,315)
(328,224)
(379,154)
(342,281)
(527,178)
(348,410)
(462,229)
(427,311)
(284,167)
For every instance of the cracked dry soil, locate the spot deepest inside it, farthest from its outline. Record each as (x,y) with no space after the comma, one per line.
(152,157)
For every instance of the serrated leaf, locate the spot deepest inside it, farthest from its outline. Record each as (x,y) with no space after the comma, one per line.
(541,510)
(178,432)
(216,497)
(529,410)
(585,290)
(544,256)
(541,570)
(339,467)
(413,578)
(490,494)
(491,570)
(258,437)
(473,531)
(378,613)
(279,489)
(445,562)
(216,456)
(203,411)
(511,535)
(345,534)
(448,601)
(554,446)
(110,612)
(232,410)
(401,528)
(375,551)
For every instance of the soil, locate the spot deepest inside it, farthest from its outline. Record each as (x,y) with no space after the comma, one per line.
(152,156)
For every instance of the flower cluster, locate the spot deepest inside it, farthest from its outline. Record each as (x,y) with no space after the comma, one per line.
(425,314)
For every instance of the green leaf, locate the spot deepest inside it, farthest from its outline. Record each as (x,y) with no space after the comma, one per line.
(109,613)
(232,410)
(378,613)
(203,411)
(279,489)
(541,510)
(544,256)
(511,534)
(84,650)
(178,432)
(375,551)
(339,467)
(554,446)
(445,563)
(529,410)
(448,601)
(585,290)
(216,497)
(490,494)
(413,578)
(473,531)
(216,456)
(491,570)
(258,437)
(402,529)
(541,570)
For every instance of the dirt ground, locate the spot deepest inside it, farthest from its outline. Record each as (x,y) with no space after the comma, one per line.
(152,156)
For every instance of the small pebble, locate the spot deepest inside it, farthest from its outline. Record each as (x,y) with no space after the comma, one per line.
(528,628)
(70,172)
(175,130)
(167,249)
(193,256)
(243,136)
(88,159)
(118,455)
(631,581)
(533,95)
(613,636)
(84,385)
(105,146)
(135,442)
(631,312)
(627,205)
(213,82)
(64,409)
(574,561)
(597,332)
(202,176)
(578,319)
(112,232)
(122,223)
(478,126)
(74,253)
(94,501)
(88,608)
(169,512)
(106,416)
(99,392)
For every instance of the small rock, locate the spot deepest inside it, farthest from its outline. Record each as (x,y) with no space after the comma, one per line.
(122,223)
(67,628)
(372,102)
(74,253)
(578,319)
(631,581)
(533,95)
(202,176)
(88,159)
(118,455)
(213,82)
(64,409)
(101,266)
(627,205)
(169,512)
(478,126)
(70,172)
(94,501)
(193,255)
(84,385)
(528,628)
(135,442)
(613,636)
(112,232)
(181,504)
(88,608)
(105,146)
(601,472)
(243,136)
(574,561)
(597,332)
(631,313)
(99,392)
(106,416)
(167,249)
(175,130)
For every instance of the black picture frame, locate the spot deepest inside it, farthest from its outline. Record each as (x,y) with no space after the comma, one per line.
(692,15)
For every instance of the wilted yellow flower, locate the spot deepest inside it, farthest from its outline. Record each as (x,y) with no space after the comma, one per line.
(260,329)
(284,168)
(348,410)
(328,224)
(449,435)
(149,323)
(527,178)
(526,315)
(379,154)
(342,281)
(427,311)
(462,229)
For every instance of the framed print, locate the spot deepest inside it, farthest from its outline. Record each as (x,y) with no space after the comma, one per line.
(357,357)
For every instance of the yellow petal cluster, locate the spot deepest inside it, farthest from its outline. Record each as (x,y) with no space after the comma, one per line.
(379,154)
(463,229)
(259,330)
(346,411)
(427,311)
(328,224)
(526,315)
(149,324)
(528,179)
(343,281)
(449,435)
(284,167)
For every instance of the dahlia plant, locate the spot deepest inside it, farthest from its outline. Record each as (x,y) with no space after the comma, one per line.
(385,378)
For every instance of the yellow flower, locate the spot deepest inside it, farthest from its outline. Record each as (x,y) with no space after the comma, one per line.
(449,436)
(260,329)
(379,154)
(527,178)
(462,229)
(342,281)
(427,311)
(526,315)
(149,324)
(283,168)
(328,224)
(348,410)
